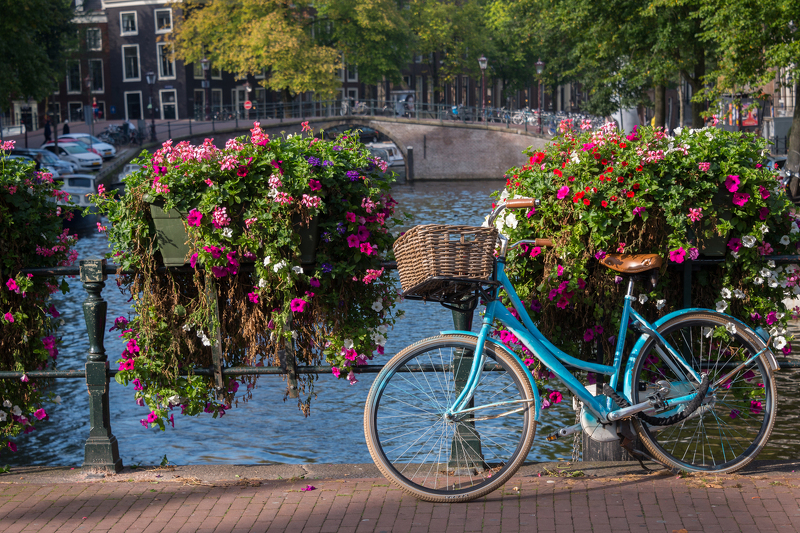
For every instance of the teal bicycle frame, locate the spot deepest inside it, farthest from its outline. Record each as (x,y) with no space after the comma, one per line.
(553,358)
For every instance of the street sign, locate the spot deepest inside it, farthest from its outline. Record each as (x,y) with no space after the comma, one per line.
(248,105)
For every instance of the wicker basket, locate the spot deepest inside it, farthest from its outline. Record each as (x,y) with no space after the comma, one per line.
(437,251)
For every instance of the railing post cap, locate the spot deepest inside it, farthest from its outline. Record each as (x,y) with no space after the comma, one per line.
(92,270)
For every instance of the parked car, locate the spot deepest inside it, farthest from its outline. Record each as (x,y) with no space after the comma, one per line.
(76,153)
(79,186)
(129,168)
(43,167)
(48,159)
(103,149)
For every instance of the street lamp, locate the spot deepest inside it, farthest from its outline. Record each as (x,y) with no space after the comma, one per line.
(151,80)
(483,62)
(539,70)
(247,90)
(206,85)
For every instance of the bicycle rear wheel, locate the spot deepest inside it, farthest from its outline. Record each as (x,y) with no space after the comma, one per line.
(735,421)
(439,459)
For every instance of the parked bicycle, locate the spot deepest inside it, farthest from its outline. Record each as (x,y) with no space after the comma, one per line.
(451,418)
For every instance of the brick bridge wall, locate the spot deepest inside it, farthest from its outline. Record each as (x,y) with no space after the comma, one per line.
(442,151)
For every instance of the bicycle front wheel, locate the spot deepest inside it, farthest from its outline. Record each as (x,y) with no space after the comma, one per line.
(441,459)
(734,421)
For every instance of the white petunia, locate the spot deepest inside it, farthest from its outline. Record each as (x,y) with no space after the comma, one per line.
(174,400)
(771,263)
(731,327)
(660,304)
(227,233)
(735,254)
(726,293)
(266,261)
(784,240)
(643,298)
(779,343)
(511,220)
(3,416)
(7,404)
(780,315)
(773,282)
(707,331)
(262,283)
(377,306)
(765,272)
(297,269)
(738,293)
(678,130)
(383,328)
(791,269)
(759,280)
(348,344)
(748,241)
(206,341)
(504,195)
(794,229)
(485,222)
(186,327)
(57,399)
(278,266)
(722,305)
(294,335)
(16,411)
(764,228)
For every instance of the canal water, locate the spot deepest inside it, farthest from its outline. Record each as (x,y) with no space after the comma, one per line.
(268,430)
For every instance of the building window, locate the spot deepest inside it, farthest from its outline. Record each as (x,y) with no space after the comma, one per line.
(169,105)
(133,105)
(166,66)
(352,73)
(94,39)
(216,100)
(197,70)
(96,75)
(163,20)
(130,62)
(75,111)
(74,76)
(128,24)
(216,73)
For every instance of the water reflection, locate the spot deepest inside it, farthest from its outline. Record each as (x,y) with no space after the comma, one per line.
(267,429)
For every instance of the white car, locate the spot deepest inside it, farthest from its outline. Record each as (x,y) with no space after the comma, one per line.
(129,168)
(104,150)
(76,153)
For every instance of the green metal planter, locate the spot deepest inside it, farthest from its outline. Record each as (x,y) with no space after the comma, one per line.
(171,235)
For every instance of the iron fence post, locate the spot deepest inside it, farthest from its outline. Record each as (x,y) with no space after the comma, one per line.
(465,450)
(101,450)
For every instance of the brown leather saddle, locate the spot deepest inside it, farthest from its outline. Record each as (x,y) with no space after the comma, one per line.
(632,263)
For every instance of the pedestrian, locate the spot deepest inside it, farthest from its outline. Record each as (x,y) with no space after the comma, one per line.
(65,129)
(48,132)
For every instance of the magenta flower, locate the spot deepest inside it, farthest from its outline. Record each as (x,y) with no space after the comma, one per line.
(735,413)
(763,213)
(695,213)
(219,272)
(12,446)
(536,306)
(351,217)
(194,217)
(588,335)
(53,311)
(560,270)
(152,417)
(335,371)
(193,261)
(253,297)
(763,192)
(298,305)
(531,212)
(581,284)
(24,378)
(599,255)
(732,183)
(535,251)
(352,378)
(735,244)
(639,210)
(705,167)
(771,318)
(562,192)
(308,487)
(740,198)
(765,248)
(314,282)
(694,253)
(352,241)
(677,256)
(555,397)
(137,385)
(9,317)
(367,248)
(11,284)
(755,407)
(127,364)
(40,414)
(314,185)
(363,233)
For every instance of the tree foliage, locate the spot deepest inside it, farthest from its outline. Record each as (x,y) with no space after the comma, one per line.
(35,36)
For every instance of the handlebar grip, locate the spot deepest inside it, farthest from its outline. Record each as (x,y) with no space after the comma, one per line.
(515,203)
(544,242)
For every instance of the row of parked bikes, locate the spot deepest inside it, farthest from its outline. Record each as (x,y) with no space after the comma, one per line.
(127,133)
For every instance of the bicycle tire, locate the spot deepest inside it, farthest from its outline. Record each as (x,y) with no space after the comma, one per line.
(459,479)
(726,432)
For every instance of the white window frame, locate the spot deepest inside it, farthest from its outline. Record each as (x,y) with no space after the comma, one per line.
(221,99)
(155,20)
(211,73)
(159,53)
(355,76)
(138,63)
(125,103)
(135,21)
(80,77)
(102,75)
(99,39)
(161,102)
(261,75)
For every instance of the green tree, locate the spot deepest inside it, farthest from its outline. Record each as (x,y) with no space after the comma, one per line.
(35,36)
(299,43)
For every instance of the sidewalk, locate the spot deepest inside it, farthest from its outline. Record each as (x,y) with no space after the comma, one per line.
(606,497)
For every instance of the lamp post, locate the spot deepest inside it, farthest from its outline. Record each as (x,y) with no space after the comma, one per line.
(151,80)
(483,62)
(539,70)
(206,87)
(247,89)
(88,82)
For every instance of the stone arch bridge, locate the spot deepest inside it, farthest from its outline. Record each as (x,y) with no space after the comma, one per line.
(440,150)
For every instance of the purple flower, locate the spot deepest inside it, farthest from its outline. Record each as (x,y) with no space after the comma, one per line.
(694,253)
(337,148)
(327,267)
(352,174)
(327,163)
(599,255)
(340,227)
(536,306)
(313,161)
(639,210)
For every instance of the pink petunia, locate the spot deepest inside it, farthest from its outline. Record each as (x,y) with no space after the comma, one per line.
(562,192)
(677,256)
(352,241)
(740,198)
(756,407)
(735,244)
(367,248)
(314,282)
(560,270)
(194,217)
(335,371)
(732,183)
(351,217)
(11,284)
(11,445)
(40,414)
(763,192)
(253,297)
(695,213)
(9,317)
(705,167)
(763,213)
(298,305)
(314,185)
(555,397)
(535,251)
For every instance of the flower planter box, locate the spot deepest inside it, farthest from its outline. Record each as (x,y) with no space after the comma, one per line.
(170,234)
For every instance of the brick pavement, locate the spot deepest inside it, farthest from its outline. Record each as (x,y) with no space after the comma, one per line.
(629,503)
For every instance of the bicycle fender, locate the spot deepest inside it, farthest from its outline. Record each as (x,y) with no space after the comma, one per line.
(658,323)
(536,397)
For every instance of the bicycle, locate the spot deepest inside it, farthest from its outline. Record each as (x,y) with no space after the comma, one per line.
(447,425)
